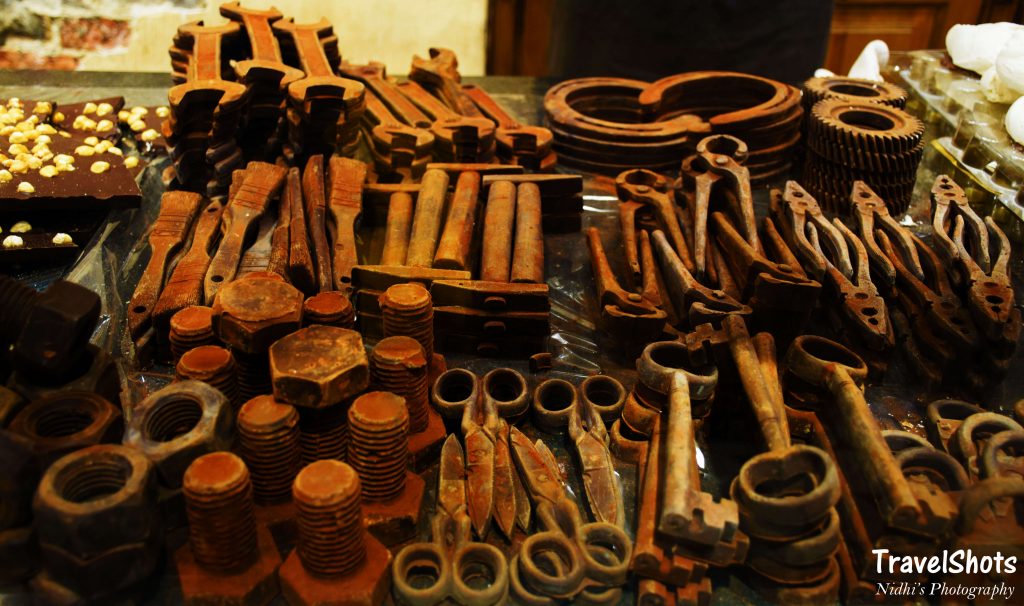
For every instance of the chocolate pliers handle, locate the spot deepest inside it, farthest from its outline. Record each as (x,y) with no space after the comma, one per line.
(990,296)
(862,303)
(648,187)
(608,289)
(872,214)
(745,259)
(800,213)
(689,298)
(940,305)
(949,202)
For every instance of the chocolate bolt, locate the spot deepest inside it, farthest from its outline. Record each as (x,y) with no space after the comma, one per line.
(323,433)
(379,452)
(528,254)
(336,561)
(426,221)
(457,237)
(268,433)
(396,234)
(213,365)
(331,308)
(499,219)
(407,310)
(399,365)
(191,327)
(249,315)
(229,559)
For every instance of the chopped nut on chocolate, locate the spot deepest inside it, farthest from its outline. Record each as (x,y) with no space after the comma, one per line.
(100,167)
(103,109)
(149,135)
(18,167)
(26,188)
(104,125)
(93,140)
(21,227)
(48,171)
(13,242)
(131,161)
(137,125)
(17,148)
(17,137)
(6,176)
(90,108)
(163,111)
(84,150)
(62,238)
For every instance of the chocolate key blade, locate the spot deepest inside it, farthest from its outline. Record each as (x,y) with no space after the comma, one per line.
(504,483)
(451,490)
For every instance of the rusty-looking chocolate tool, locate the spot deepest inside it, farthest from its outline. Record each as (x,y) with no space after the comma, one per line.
(374,77)
(396,230)
(990,296)
(457,388)
(529,146)
(205,86)
(556,406)
(184,287)
(975,436)
(827,365)
(257,257)
(944,417)
(568,559)
(626,314)
(687,513)
(452,565)
(824,250)
(345,205)
(325,108)
(299,258)
(499,222)
(440,74)
(458,138)
(170,231)
(456,240)
(315,198)
(689,298)
(760,508)
(644,187)
(396,147)
(717,171)
(872,215)
(262,182)
(528,250)
(764,113)
(598,125)
(427,218)
(280,239)
(479,429)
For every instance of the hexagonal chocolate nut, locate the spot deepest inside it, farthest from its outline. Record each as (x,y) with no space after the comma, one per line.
(255,585)
(103,574)
(96,499)
(319,366)
(367,585)
(178,424)
(19,475)
(64,421)
(249,315)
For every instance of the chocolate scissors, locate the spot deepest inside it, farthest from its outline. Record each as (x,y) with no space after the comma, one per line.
(568,560)
(449,568)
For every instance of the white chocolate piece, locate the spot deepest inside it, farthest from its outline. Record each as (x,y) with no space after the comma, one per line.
(13,242)
(975,47)
(1014,121)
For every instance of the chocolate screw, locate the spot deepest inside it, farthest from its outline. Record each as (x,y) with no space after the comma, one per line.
(408,311)
(331,308)
(398,365)
(221,517)
(268,433)
(323,433)
(213,365)
(331,538)
(379,446)
(191,327)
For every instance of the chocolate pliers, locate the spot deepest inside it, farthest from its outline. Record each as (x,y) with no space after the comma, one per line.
(718,165)
(873,215)
(638,188)
(626,314)
(990,295)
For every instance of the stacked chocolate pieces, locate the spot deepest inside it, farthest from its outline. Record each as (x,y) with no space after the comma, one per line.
(205,109)
(857,132)
(323,109)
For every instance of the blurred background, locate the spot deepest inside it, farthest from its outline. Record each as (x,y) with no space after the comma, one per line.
(783,39)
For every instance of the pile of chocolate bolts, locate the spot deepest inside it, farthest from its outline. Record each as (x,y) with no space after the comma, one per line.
(316,443)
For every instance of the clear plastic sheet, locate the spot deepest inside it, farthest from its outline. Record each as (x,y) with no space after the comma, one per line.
(113,262)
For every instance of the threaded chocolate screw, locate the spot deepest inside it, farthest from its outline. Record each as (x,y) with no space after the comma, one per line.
(323,433)
(379,445)
(331,308)
(213,365)
(408,311)
(330,519)
(221,519)
(268,433)
(191,327)
(399,365)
